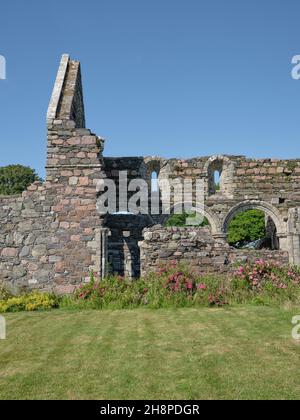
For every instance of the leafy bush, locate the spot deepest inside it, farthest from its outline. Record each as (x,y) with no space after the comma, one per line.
(246,227)
(14,179)
(266,283)
(4,292)
(29,302)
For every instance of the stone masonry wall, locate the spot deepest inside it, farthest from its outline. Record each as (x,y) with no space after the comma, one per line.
(26,225)
(50,236)
(53,235)
(240,177)
(73,170)
(197,249)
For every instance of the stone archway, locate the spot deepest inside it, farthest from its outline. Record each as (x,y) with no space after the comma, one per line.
(213,220)
(267,208)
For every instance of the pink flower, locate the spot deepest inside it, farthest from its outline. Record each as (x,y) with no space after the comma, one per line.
(176,287)
(201,286)
(189,285)
(282,286)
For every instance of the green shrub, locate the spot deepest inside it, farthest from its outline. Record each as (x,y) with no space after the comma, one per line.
(180,220)
(246,227)
(4,292)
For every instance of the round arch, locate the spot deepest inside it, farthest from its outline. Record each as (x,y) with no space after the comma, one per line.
(267,208)
(211,217)
(225,167)
(213,221)
(215,158)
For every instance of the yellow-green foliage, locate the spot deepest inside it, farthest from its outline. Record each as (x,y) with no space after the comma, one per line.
(29,302)
(4,292)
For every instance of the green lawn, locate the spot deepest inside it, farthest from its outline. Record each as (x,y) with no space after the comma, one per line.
(233,353)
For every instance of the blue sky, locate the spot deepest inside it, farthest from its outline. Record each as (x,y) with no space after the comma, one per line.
(161,77)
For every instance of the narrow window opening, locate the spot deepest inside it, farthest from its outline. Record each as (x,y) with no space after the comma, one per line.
(154,182)
(217,180)
(215,177)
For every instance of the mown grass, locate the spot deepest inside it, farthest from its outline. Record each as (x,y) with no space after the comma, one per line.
(244,352)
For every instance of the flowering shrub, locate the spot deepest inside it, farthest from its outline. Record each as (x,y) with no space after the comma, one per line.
(180,282)
(257,275)
(29,302)
(266,283)
(173,285)
(112,291)
(176,285)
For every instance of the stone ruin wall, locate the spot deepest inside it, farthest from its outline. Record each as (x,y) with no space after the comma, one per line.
(198,250)
(52,235)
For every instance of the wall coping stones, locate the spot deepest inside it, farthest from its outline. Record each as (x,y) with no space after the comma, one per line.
(57,90)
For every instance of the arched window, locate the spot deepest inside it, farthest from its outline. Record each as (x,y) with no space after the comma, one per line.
(217,180)
(252,229)
(220,175)
(215,170)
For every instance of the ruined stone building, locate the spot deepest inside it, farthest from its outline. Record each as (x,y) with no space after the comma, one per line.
(52,235)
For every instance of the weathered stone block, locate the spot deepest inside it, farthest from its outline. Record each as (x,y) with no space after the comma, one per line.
(87,140)
(73,180)
(39,251)
(9,252)
(24,252)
